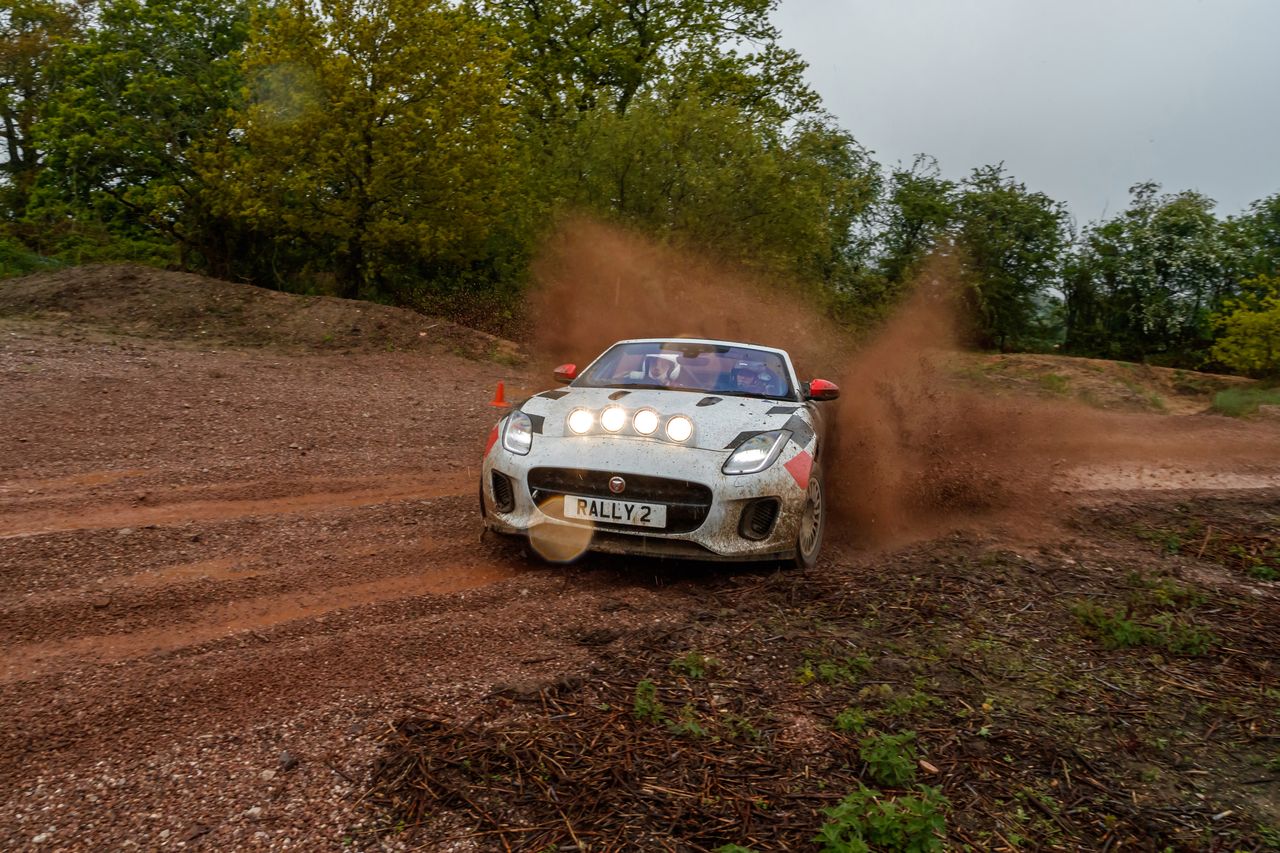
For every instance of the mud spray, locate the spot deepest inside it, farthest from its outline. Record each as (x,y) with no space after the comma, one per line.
(915,453)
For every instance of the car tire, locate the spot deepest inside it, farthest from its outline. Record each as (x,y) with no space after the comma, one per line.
(813,522)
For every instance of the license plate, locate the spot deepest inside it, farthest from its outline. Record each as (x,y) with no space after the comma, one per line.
(615,512)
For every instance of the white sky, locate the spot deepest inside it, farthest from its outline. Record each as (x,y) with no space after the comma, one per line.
(1080,98)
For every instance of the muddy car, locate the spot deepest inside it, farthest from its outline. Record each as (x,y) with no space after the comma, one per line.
(697,449)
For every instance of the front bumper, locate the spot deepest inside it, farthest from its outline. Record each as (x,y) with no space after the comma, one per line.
(719,536)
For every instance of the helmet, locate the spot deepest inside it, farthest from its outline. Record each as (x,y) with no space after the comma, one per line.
(672,371)
(745,371)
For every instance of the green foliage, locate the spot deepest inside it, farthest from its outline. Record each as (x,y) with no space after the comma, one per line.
(1241,402)
(1146,283)
(575,56)
(908,704)
(17,259)
(733,848)
(890,759)
(1249,328)
(1173,632)
(647,707)
(740,727)
(693,664)
(31,32)
(851,721)
(709,173)
(842,670)
(864,820)
(376,134)
(687,723)
(1011,241)
(139,101)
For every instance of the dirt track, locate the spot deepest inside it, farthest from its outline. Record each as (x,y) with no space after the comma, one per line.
(214,558)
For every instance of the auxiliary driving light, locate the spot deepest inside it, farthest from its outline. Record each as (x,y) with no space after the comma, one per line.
(646,421)
(613,418)
(679,428)
(580,421)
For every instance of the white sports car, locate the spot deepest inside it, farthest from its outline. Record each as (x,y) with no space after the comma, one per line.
(698,449)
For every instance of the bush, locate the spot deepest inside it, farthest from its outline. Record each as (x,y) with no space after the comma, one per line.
(17,259)
(1249,329)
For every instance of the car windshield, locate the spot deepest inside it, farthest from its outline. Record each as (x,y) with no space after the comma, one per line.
(687,366)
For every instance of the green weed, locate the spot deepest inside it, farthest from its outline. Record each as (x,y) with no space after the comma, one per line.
(890,759)
(851,721)
(1170,631)
(845,670)
(740,727)
(687,723)
(864,820)
(647,707)
(693,664)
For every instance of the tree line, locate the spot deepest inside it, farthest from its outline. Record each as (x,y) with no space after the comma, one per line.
(417,151)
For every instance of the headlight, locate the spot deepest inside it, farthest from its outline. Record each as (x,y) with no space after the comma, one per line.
(646,421)
(679,428)
(580,421)
(518,436)
(757,453)
(613,418)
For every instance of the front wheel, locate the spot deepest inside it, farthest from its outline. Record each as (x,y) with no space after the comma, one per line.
(813,522)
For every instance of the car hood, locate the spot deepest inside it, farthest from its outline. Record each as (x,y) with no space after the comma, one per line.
(719,421)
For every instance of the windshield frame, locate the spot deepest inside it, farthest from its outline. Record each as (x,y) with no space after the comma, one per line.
(684,348)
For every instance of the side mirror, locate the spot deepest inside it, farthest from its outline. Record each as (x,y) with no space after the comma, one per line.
(566,373)
(821,389)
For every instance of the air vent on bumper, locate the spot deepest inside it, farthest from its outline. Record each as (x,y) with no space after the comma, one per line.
(758,518)
(504,495)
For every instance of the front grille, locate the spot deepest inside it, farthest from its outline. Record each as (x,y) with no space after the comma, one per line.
(758,518)
(687,503)
(504,496)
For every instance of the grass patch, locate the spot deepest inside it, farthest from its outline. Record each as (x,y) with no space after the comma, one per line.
(1173,632)
(832,670)
(1055,383)
(1242,402)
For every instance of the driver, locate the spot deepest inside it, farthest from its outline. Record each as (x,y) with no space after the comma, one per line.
(746,379)
(663,370)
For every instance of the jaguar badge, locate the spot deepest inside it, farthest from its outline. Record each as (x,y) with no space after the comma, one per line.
(617,485)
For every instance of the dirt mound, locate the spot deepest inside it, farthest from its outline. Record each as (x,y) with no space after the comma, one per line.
(1114,385)
(145,302)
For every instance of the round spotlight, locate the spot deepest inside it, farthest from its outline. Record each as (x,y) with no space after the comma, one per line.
(580,421)
(679,428)
(613,418)
(646,421)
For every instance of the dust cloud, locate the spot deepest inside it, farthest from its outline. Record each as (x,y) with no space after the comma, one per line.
(914,451)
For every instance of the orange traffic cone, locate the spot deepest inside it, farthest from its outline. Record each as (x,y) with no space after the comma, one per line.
(500,398)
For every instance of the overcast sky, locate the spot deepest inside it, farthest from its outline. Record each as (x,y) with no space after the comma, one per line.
(1080,98)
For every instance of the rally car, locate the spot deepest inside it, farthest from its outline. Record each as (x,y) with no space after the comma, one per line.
(699,449)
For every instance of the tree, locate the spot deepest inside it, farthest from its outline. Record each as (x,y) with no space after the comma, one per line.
(916,217)
(1011,240)
(377,136)
(708,173)
(139,99)
(30,33)
(1250,329)
(574,55)
(1155,273)
(1257,236)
